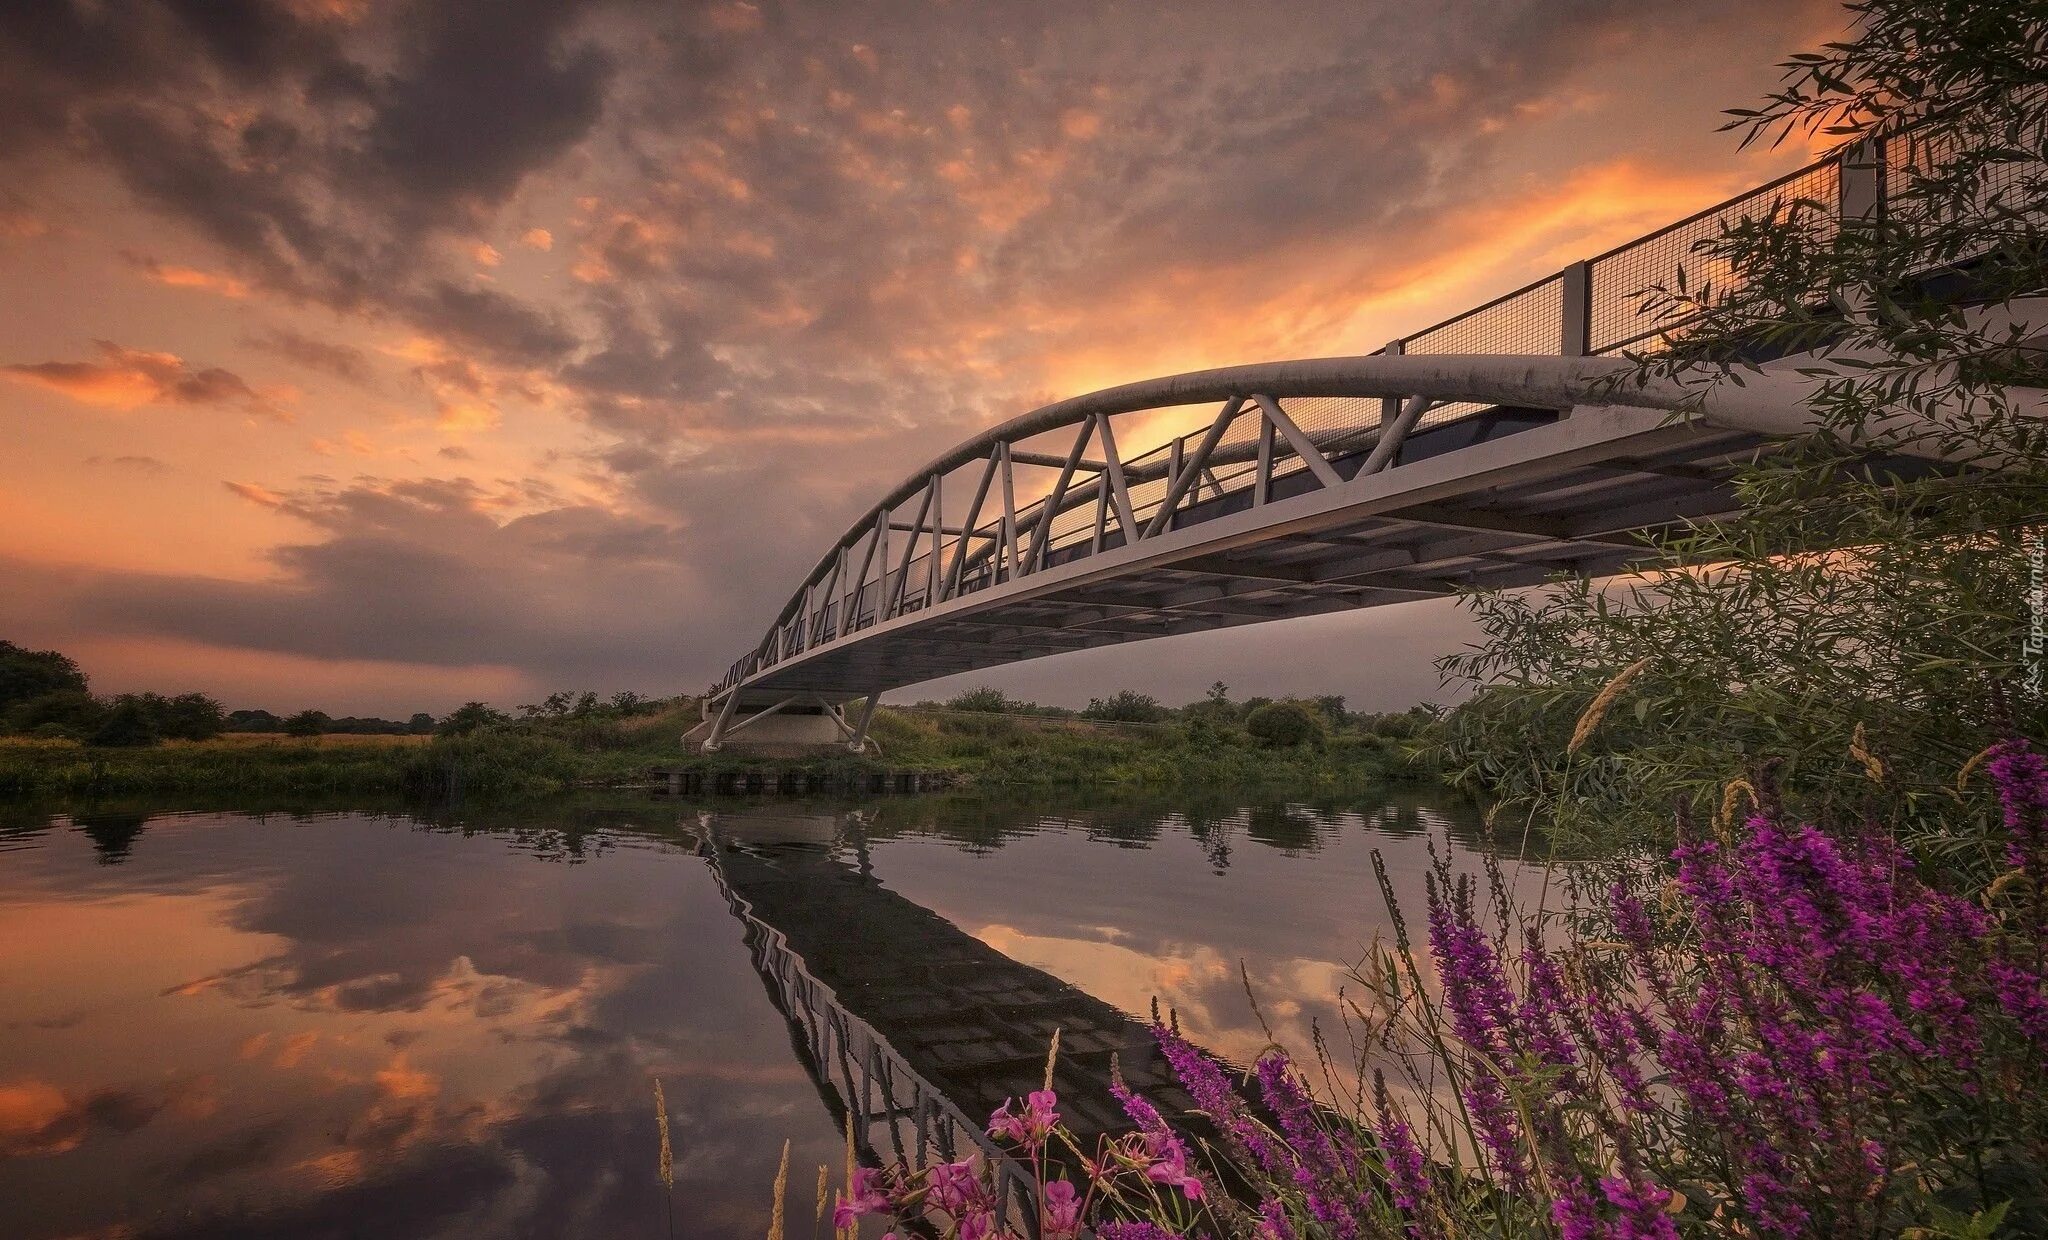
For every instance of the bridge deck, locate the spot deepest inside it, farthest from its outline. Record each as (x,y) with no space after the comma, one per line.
(1503,498)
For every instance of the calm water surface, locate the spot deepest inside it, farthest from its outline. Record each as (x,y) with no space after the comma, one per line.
(390,1025)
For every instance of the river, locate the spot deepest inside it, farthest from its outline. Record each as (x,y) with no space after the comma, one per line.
(403,1024)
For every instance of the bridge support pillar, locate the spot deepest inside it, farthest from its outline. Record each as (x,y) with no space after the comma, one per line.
(796,725)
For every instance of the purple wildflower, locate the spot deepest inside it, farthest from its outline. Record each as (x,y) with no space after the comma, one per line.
(1405,1174)
(2021,777)
(1273,1224)
(1134,1231)
(1214,1096)
(1641,1208)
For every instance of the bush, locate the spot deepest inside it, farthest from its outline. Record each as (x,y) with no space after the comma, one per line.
(128,724)
(468,718)
(984,698)
(307,723)
(69,713)
(1127,706)
(1284,725)
(189,717)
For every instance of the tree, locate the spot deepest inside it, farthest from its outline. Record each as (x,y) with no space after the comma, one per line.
(984,698)
(307,723)
(1870,674)
(69,713)
(190,717)
(1284,725)
(27,674)
(128,724)
(421,724)
(253,721)
(1126,706)
(469,717)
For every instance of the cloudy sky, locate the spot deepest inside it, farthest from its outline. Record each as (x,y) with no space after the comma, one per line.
(381,354)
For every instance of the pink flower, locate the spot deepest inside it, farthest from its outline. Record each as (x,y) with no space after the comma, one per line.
(1172,1170)
(864,1197)
(981,1225)
(1031,1127)
(954,1186)
(1062,1211)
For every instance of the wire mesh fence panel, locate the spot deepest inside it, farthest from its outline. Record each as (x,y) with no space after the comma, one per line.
(1529,320)
(1625,281)
(1929,182)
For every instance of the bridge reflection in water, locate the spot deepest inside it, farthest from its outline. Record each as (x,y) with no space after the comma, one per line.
(907,1024)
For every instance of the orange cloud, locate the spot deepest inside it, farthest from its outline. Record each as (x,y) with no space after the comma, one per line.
(537,239)
(256,494)
(172,276)
(131,378)
(31,1115)
(402,1081)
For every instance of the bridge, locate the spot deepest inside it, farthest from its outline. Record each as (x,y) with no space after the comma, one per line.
(1503,447)
(912,1030)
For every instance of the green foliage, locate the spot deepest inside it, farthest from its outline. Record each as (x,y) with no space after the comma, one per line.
(1284,725)
(307,723)
(29,674)
(254,721)
(128,724)
(468,718)
(421,724)
(1127,706)
(985,699)
(1863,622)
(68,713)
(188,716)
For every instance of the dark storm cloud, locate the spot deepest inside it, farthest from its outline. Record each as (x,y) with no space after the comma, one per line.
(483,318)
(489,93)
(343,362)
(318,175)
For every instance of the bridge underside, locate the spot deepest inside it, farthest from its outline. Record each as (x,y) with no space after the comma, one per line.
(1506,498)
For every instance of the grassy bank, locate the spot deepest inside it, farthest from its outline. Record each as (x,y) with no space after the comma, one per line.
(539,758)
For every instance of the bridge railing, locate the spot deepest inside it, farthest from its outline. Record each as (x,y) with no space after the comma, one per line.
(973,519)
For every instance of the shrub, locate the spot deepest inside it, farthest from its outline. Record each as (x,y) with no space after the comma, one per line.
(128,724)
(1126,706)
(984,698)
(307,723)
(190,717)
(1284,725)
(71,713)
(468,718)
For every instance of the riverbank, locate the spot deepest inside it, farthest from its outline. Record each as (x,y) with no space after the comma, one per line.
(542,758)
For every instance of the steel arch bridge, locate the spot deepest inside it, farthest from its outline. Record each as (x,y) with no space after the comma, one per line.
(1503,447)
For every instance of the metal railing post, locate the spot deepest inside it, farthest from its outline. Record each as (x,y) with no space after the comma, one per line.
(1575,338)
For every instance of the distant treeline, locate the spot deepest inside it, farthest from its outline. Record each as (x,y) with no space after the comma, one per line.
(44,694)
(1279,722)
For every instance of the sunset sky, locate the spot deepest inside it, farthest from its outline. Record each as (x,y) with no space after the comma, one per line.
(377,356)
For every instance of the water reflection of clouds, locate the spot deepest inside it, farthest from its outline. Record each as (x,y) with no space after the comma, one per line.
(1293,909)
(337,1024)
(411,1033)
